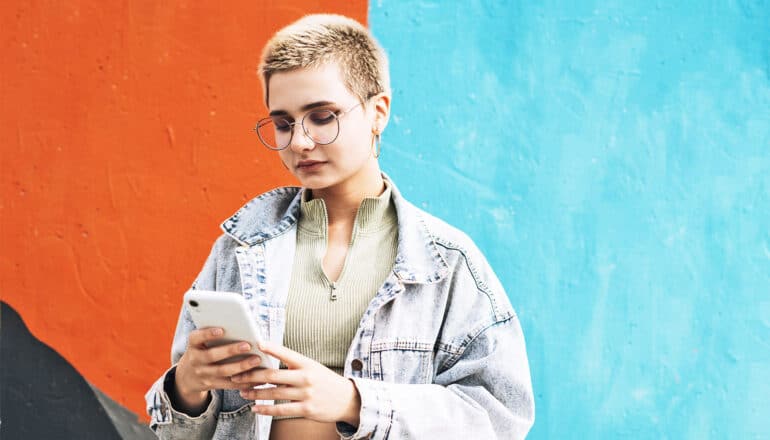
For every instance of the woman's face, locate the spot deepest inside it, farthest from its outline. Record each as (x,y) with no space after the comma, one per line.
(292,95)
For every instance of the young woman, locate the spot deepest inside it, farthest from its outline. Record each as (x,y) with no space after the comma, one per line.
(387,322)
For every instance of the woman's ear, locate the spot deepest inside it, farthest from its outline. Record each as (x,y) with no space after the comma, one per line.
(381,112)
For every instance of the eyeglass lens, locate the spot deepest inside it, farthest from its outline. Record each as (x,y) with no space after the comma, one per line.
(321,126)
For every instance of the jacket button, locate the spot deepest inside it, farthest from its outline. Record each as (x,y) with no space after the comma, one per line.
(357,365)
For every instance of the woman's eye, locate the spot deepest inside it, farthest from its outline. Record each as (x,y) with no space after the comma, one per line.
(282,125)
(322,118)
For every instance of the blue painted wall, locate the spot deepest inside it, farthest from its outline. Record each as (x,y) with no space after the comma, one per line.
(612,159)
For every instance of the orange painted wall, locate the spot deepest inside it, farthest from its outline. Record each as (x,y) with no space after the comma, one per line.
(126,139)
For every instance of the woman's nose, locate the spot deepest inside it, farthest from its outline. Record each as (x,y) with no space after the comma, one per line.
(300,141)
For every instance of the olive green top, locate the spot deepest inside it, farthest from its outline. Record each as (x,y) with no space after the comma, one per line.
(322,316)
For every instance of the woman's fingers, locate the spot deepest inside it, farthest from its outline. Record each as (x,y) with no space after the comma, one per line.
(229,370)
(222,352)
(273,376)
(198,338)
(282,409)
(275,393)
(203,367)
(289,357)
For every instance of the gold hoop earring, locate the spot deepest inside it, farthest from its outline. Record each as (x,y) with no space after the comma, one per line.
(377,144)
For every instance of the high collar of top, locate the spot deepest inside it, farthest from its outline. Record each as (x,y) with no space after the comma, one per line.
(374,213)
(419,259)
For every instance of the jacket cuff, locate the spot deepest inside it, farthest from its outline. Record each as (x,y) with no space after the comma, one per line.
(163,413)
(376,414)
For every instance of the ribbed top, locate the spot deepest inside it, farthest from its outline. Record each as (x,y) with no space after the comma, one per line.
(321,316)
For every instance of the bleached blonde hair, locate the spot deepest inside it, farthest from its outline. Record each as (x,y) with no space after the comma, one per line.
(321,38)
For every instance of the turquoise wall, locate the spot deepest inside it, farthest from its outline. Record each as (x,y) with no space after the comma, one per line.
(612,159)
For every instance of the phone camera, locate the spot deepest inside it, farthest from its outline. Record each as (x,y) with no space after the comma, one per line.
(194,303)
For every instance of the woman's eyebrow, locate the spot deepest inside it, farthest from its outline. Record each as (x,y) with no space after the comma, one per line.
(304,108)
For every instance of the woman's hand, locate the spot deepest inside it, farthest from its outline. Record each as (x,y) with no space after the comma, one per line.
(198,371)
(315,392)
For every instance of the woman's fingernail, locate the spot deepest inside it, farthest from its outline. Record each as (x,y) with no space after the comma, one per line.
(254,362)
(244,347)
(216,332)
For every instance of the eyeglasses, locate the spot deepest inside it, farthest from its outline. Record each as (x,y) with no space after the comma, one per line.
(321,126)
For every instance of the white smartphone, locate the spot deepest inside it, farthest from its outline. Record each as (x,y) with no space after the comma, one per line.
(229,311)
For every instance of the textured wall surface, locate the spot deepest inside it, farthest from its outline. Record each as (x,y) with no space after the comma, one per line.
(612,159)
(126,139)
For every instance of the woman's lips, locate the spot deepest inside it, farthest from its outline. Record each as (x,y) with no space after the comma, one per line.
(309,165)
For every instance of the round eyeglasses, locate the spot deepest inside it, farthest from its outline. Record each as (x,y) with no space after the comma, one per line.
(321,126)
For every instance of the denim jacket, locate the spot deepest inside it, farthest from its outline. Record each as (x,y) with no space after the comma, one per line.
(439,352)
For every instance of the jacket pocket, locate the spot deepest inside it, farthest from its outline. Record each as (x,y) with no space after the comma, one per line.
(402,361)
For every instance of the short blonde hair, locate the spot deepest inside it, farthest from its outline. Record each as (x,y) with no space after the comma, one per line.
(321,38)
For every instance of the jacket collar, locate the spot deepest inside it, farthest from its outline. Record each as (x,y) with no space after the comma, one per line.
(418,258)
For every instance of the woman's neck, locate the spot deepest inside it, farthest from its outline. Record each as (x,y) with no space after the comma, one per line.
(343,200)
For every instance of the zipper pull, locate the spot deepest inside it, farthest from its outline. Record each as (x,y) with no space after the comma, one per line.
(332,293)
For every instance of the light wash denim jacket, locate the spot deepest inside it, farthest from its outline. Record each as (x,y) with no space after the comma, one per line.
(439,352)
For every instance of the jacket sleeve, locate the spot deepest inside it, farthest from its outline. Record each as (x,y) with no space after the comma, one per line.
(486,394)
(227,414)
